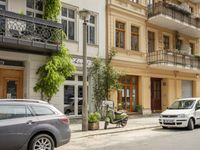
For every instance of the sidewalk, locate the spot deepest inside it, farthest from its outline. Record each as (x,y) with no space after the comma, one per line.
(134,123)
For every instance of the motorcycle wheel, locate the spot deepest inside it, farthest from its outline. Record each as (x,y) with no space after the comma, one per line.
(106,125)
(124,122)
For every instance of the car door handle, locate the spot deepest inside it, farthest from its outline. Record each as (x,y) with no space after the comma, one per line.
(30,122)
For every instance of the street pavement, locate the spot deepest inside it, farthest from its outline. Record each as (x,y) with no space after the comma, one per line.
(134,123)
(151,139)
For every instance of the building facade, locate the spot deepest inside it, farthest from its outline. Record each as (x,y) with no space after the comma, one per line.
(157,44)
(26,42)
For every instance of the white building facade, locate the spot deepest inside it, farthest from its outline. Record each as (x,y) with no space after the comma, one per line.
(23,52)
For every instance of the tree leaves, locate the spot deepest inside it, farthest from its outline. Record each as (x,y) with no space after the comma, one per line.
(53,73)
(105,78)
(52,10)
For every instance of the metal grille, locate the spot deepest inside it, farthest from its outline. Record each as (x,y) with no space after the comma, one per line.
(28,28)
(174,12)
(173,58)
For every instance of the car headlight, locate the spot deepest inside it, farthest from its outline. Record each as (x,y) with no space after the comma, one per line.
(182,116)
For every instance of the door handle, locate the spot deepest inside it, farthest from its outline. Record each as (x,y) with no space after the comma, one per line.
(30,122)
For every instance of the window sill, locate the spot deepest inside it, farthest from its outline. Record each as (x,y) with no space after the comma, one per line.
(71,41)
(129,52)
(93,45)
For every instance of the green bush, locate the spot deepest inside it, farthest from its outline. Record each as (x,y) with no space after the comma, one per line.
(94,117)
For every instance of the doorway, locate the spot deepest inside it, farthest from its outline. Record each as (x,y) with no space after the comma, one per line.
(128,95)
(155,94)
(11,84)
(186,89)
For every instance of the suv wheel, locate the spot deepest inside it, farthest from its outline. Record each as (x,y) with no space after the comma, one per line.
(190,124)
(41,142)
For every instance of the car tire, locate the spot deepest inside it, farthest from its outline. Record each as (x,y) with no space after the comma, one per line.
(41,141)
(190,124)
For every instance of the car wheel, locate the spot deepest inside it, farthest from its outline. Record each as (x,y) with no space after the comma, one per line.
(190,124)
(41,142)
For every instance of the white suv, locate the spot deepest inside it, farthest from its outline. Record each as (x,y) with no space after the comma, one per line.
(182,113)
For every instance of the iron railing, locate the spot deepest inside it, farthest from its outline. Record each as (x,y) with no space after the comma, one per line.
(174,12)
(27,28)
(173,58)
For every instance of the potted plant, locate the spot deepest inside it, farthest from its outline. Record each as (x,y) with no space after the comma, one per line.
(93,120)
(138,108)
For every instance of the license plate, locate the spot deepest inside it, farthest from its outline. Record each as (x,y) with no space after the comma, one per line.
(168,121)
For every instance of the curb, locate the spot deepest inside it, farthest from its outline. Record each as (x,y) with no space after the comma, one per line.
(119,131)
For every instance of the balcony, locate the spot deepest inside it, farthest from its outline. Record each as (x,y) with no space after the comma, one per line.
(173,60)
(21,33)
(174,17)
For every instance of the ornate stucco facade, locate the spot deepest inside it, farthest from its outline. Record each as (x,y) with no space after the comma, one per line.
(156,70)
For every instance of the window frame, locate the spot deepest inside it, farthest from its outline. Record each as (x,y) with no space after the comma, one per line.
(4,4)
(119,30)
(134,34)
(166,42)
(25,115)
(34,10)
(152,40)
(68,19)
(135,1)
(35,113)
(192,46)
(94,25)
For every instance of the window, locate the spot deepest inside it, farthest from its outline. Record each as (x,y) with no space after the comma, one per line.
(91,31)
(192,46)
(2,4)
(68,22)
(179,44)
(42,111)
(135,1)
(150,2)
(120,35)
(151,41)
(134,38)
(191,9)
(165,42)
(35,8)
(2,20)
(11,112)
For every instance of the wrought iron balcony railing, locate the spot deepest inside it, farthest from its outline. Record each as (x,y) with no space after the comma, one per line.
(173,58)
(173,11)
(28,31)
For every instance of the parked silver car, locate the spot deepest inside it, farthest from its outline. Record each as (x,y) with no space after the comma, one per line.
(32,125)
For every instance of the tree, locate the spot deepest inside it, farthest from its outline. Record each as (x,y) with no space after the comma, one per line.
(105,78)
(53,73)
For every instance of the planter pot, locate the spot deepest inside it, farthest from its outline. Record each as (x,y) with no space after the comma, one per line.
(93,126)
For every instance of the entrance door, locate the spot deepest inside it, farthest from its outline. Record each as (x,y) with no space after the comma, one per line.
(11,83)
(155,94)
(127,96)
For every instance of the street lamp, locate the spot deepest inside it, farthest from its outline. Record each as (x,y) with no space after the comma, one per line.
(85,16)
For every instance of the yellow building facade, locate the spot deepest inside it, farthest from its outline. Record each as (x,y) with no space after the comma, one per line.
(158,49)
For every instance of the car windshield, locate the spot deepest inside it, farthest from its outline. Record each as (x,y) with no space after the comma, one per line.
(182,104)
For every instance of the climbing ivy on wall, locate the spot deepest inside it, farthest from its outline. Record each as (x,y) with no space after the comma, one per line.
(52,10)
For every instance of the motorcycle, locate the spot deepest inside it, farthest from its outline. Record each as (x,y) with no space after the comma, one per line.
(118,118)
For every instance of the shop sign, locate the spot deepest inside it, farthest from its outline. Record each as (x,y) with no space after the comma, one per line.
(79,62)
